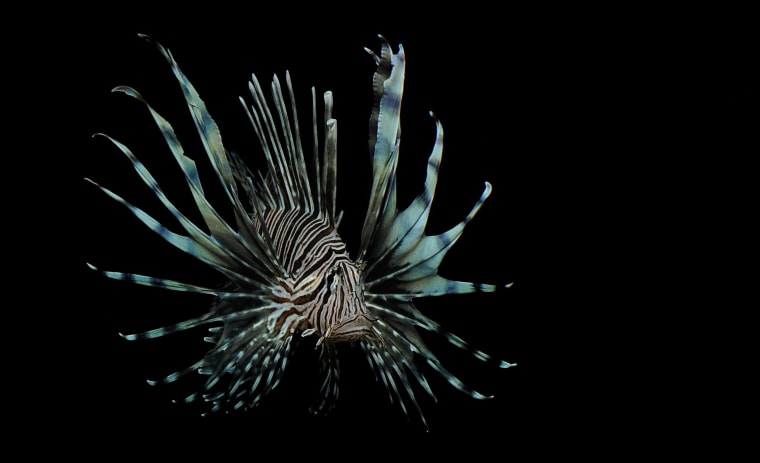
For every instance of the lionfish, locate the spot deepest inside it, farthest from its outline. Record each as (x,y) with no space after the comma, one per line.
(289,274)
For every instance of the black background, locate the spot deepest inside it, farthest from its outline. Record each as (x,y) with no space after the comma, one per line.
(613,141)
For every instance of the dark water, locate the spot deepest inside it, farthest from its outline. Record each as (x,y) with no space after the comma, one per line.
(599,140)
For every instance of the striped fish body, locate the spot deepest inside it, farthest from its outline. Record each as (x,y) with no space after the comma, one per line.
(324,287)
(288,272)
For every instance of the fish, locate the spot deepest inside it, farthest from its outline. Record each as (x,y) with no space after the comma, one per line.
(288,275)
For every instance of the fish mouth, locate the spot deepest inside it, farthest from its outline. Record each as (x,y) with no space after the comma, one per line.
(351,329)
